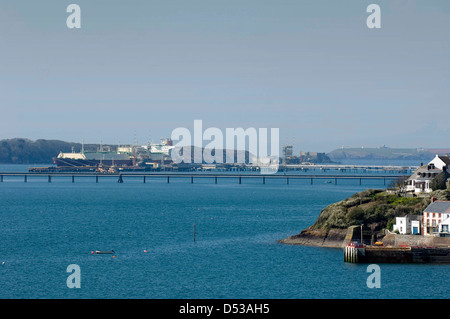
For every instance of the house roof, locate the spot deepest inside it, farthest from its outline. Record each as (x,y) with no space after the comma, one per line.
(424,169)
(438,207)
(445,159)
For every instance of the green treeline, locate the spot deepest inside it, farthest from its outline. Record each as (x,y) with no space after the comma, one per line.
(25,151)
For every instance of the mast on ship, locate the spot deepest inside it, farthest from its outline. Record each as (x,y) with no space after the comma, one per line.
(134,150)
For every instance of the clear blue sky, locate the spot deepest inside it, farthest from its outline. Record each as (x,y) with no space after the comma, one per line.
(310,68)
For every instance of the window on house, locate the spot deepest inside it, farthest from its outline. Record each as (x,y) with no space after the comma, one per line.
(445,228)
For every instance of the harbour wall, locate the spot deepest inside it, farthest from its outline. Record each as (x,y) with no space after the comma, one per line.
(375,255)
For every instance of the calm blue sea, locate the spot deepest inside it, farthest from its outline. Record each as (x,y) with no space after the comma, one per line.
(45,227)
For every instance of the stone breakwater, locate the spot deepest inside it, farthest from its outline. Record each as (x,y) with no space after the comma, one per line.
(333,238)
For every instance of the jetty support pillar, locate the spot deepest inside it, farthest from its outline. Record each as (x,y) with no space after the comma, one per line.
(352,252)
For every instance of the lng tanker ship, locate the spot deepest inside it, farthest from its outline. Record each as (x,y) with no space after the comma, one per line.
(93,159)
(123,156)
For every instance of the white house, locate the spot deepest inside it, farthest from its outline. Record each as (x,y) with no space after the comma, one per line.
(409,224)
(440,161)
(420,181)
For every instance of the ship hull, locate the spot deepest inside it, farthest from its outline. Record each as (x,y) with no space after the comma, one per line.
(69,162)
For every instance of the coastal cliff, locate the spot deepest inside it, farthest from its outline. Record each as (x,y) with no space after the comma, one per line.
(374,208)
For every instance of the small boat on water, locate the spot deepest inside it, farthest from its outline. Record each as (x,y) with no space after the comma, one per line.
(103,252)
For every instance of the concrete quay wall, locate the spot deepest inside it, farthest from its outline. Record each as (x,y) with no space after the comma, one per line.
(375,255)
(397,240)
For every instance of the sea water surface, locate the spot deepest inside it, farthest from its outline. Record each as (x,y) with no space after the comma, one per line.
(45,227)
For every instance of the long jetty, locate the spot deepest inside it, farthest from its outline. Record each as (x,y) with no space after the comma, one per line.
(167,176)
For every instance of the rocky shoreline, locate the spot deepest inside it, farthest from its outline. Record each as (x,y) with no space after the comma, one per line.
(333,238)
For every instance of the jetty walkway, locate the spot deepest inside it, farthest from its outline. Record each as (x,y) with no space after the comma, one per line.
(192,176)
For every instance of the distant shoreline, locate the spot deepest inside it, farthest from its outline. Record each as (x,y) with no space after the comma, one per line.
(26,151)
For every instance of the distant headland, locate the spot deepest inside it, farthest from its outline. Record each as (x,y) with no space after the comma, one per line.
(386,153)
(41,151)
